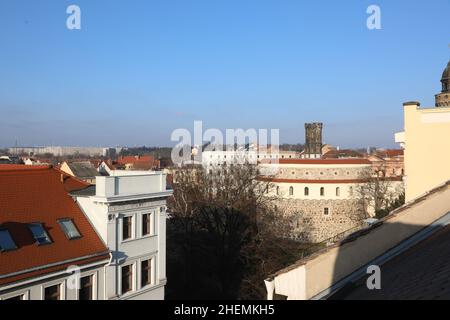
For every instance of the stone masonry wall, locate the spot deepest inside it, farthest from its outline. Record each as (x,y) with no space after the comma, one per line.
(313,225)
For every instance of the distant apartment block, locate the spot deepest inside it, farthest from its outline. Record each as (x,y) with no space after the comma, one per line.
(61,151)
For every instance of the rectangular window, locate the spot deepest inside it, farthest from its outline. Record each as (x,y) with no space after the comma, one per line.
(146,272)
(15,298)
(39,233)
(127,278)
(146,224)
(127,228)
(69,229)
(326,211)
(86,288)
(53,292)
(6,241)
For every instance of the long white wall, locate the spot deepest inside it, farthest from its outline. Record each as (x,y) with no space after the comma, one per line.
(33,289)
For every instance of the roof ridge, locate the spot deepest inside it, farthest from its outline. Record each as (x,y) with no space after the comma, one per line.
(72,177)
(5,168)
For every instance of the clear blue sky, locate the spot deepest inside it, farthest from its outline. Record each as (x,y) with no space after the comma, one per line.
(139,69)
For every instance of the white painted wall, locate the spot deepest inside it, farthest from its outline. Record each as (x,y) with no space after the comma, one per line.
(33,289)
(345,190)
(130,184)
(144,193)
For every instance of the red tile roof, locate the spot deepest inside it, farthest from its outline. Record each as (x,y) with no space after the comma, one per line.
(391,153)
(324,181)
(134,159)
(40,194)
(346,153)
(141,162)
(319,161)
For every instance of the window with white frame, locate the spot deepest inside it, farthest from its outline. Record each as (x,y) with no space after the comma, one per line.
(53,292)
(127,227)
(148,224)
(86,290)
(146,272)
(15,297)
(127,278)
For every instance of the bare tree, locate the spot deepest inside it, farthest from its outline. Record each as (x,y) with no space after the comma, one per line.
(225,233)
(377,193)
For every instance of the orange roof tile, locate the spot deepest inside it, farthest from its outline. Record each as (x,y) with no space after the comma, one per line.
(139,161)
(40,194)
(320,161)
(324,181)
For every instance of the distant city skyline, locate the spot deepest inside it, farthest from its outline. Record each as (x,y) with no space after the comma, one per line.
(137,71)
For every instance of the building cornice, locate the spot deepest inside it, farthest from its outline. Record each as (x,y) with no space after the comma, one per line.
(125,198)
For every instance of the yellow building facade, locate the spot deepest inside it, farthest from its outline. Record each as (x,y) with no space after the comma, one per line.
(426,140)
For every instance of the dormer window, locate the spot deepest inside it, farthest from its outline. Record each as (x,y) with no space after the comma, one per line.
(39,233)
(6,241)
(69,229)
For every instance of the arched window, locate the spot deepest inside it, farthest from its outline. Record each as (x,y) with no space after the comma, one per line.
(278,190)
(291,191)
(322,191)
(306,191)
(350,191)
(338,192)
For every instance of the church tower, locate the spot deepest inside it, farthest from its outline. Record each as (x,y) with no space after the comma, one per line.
(313,140)
(443,98)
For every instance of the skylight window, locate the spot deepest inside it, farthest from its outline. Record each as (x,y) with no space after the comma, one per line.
(69,229)
(39,233)
(6,241)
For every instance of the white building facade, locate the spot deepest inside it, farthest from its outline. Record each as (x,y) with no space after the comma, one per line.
(219,158)
(129,214)
(61,285)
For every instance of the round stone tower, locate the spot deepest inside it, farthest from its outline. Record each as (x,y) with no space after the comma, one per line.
(443,98)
